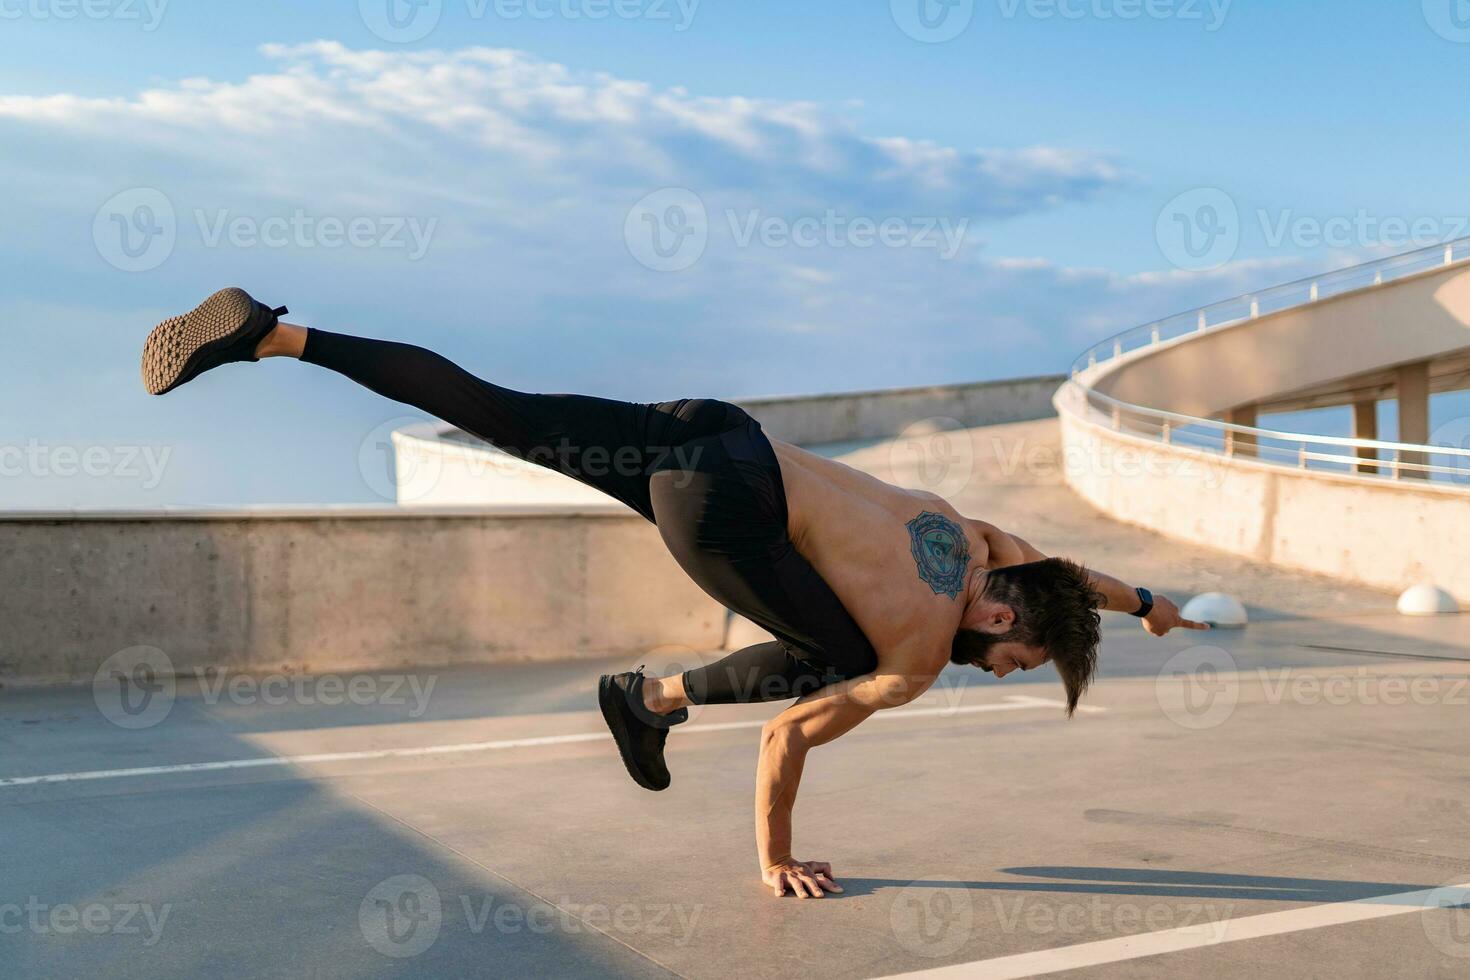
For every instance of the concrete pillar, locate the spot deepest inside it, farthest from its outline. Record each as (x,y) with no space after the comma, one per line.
(1413,397)
(1241,444)
(1365,426)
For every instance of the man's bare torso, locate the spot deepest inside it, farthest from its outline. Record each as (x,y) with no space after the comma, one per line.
(853,528)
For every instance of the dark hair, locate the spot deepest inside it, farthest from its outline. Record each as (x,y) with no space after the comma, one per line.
(1056,609)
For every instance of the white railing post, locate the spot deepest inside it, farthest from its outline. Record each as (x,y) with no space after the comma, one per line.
(1202,321)
(1314,292)
(1396,471)
(1449,254)
(1301,456)
(1153,336)
(1118,348)
(1255,307)
(1167,432)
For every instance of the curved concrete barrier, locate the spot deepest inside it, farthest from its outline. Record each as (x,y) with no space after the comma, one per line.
(1352,522)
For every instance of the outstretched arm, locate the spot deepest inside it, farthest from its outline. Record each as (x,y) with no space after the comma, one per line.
(814,720)
(1118,596)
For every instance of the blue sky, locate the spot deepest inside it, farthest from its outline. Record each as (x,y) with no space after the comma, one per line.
(496,167)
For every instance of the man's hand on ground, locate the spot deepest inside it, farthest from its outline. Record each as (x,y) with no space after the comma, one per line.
(1165,617)
(806,878)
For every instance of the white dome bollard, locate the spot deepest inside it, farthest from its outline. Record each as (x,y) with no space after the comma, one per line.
(1218,609)
(1427,600)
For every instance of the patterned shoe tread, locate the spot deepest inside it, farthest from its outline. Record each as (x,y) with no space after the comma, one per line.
(174,345)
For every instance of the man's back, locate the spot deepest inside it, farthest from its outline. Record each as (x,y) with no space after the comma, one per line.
(855,530)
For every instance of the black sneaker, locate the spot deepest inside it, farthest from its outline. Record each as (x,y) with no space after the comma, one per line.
(640,733)
(223,329)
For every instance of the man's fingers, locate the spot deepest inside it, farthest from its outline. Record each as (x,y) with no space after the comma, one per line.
(822,871)
(778,887)
(813,889)
(1191,624)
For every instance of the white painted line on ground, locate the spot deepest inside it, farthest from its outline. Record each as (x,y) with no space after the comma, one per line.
(1199,936)
(1011,703)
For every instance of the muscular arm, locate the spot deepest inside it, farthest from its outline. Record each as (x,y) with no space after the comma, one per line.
(814,720)
(1118,596)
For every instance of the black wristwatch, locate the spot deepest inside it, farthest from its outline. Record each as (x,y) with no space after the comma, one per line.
(1147,598)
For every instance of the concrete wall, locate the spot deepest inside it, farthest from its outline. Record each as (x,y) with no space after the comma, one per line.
(436,465)
(1415,318)
(1372,531)
(812,419)
(348,588)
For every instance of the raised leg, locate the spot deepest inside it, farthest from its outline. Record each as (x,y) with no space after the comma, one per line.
(610,445)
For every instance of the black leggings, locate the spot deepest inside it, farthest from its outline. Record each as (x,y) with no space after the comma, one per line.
(701,470)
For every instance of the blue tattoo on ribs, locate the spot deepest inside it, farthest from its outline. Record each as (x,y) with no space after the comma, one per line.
(941,552)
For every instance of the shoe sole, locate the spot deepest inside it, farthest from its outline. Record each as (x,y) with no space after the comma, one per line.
(172,352)
(608,695)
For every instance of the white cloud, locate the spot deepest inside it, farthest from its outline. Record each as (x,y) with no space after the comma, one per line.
(482,119)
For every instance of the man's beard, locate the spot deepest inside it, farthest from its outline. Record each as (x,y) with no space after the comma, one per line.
(972,648)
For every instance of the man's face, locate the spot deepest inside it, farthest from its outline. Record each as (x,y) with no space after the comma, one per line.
(1004,656)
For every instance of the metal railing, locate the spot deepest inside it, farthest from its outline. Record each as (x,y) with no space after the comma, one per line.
(1365,457)
(1250,306)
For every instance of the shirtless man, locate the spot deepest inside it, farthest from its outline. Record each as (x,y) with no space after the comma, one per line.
(869,589)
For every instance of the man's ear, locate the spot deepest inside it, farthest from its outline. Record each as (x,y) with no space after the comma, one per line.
(1003,616)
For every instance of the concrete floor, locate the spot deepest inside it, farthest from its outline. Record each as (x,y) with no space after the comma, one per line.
(1312,761)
